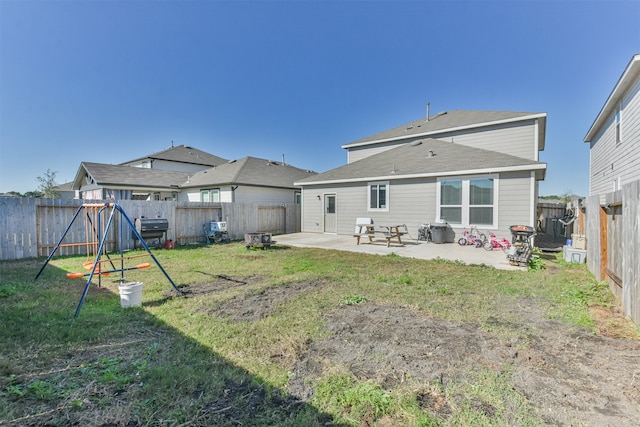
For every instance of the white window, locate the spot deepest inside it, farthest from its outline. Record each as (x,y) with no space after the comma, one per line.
(210,195)
(618,123)
(468,201)
(378,196)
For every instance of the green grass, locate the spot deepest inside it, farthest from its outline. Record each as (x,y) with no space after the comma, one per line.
(177,361)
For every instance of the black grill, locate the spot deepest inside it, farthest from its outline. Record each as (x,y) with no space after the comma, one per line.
(152,228)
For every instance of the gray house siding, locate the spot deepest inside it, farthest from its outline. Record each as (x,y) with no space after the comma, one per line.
(613,165)
(413,202)
(176,166)
(509,138)
(517,192)
(357,153)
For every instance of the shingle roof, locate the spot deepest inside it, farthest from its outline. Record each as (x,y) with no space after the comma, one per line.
(448,121)
(183,154)
(249,171)
(127,176)
(413,160)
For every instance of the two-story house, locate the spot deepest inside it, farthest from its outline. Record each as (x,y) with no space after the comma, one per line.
(467,168)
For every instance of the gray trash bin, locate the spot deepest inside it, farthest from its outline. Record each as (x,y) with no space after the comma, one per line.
(439,233)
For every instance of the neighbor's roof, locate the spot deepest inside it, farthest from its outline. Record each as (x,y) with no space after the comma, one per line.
(250,171)
(130,177)
(412,160)
(451,121)
(182,154)
(629,76)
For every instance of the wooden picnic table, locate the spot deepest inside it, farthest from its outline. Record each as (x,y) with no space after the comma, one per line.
(387,232)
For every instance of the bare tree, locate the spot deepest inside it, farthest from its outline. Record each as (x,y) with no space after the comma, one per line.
(48,185)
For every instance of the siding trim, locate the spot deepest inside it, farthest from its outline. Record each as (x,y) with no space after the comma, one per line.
(485,171)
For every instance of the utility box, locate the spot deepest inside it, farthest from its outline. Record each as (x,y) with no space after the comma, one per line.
(579,241)
(571,254)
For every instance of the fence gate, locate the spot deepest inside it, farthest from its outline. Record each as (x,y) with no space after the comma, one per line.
(272,219)
(611,247)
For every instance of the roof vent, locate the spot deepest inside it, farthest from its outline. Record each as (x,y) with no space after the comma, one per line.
(415,143)
(431,153)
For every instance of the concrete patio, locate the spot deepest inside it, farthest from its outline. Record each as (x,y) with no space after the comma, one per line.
(409,248)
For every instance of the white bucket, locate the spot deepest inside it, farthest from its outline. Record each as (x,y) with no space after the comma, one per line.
(131,294)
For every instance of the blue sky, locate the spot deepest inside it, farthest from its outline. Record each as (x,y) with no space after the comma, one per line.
(110,81)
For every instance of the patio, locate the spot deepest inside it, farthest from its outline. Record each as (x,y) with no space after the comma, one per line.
(409,248)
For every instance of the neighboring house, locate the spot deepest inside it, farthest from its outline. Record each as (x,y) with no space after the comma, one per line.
(612,209)
(66,191)
(463,167)
(99,181)
(181,158)
(249,179)
(614,136)
(245,180)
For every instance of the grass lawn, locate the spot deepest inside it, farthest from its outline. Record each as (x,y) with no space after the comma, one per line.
(300,337)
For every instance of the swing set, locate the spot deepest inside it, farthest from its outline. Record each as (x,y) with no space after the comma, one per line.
(96,232)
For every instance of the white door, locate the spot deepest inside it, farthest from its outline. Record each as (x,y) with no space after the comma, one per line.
(330,223)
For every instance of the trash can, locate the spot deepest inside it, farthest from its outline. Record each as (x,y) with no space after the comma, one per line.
(439,233)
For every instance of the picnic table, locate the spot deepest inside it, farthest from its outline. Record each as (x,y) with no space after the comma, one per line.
(386,232)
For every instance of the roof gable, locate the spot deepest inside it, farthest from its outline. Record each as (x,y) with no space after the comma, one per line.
(182,154)
(127,176)
(450,121)
(250,171)
(426,157)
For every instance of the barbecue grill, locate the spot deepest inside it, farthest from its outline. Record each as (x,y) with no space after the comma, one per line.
(151,228)
(521,237)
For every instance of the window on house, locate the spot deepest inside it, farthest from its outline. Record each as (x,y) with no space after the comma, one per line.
(378,196)
(451,201)
(467,201)
(210,195)
(481,201)
(297,198)
(618,123)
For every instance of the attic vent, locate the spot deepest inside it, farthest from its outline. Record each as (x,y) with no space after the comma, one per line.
(415,143)
(431,153)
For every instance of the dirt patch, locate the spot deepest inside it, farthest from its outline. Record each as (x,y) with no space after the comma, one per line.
(571,376)
(252,307)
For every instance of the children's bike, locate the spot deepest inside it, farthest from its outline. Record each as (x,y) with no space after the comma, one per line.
(472,237)
(494,242)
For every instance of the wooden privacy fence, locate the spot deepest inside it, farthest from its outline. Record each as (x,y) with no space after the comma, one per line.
(613,244)
(32,227)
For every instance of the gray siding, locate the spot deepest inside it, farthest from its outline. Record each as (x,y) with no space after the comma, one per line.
(413,202)
(515,201)
(358,153)
(516,139)
(610,161)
